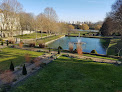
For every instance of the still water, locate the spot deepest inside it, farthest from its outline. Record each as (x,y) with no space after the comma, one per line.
(90,44)
(89,30)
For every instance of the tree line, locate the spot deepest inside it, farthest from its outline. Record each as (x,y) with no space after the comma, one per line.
(88,25)
(13,15)
(112,25)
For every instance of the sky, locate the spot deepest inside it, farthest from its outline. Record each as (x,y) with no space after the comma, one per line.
(71,10)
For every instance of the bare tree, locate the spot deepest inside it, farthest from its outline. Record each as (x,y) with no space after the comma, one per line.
(41,23)
(26,21)
(113,22)
(52,17)
(10,9)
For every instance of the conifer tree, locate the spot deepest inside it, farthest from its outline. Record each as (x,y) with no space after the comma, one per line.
(12,66)
(24,71)
(59,50)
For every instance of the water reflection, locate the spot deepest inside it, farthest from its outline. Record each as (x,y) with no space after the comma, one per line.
(91,44)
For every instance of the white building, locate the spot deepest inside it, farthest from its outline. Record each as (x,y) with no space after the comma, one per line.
(8,25)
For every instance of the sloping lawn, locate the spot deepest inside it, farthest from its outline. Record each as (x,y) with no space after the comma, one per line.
(114,44)
(77,33)
(31,36)
(15,55)
(44,40)
(74,75)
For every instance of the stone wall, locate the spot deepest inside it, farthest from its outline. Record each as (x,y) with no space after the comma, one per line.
(15,33)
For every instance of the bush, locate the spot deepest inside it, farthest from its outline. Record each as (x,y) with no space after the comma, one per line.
(24,71)
(7,42)
(7,77)
(60,47)
(71,47)
(94,51)
(32,44)
(42,45)
(85,27)
(75,51)
(49,49)
(11,42)
(27,58)
(59,51)
(2,43)
(21,44)
(84,34)
(43,65)
(11,66)
(1,39)
(13,46)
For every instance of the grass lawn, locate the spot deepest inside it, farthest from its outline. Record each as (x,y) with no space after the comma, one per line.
(31,36)
(44,40)
(100,57)
(77,33)
(112,47)
(74,75)
(15,55)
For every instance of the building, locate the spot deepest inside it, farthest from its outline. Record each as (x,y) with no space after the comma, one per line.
(9,25)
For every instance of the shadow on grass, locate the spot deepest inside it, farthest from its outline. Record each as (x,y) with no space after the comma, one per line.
(72,75)
(17,56)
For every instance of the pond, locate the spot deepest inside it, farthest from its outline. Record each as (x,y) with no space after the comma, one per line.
(90,44)
(89,30)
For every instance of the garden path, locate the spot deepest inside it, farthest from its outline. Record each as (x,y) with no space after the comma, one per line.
(30,67)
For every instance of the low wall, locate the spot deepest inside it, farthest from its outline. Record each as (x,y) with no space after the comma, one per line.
(110,56)
(103,37)
(53,40)
(15,33)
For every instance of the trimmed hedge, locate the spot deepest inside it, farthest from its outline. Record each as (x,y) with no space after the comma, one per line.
(94,51)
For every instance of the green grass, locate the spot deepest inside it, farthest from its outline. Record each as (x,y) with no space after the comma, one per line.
(74,75)
(112,47)
(15,55)
(77,33)
(31,36)
(44,40)
(100,57)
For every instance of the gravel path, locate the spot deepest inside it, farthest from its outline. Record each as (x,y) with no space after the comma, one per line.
(95,59)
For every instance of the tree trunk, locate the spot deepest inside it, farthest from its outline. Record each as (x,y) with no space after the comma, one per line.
(1,34)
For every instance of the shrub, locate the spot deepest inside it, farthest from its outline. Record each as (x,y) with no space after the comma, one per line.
(60,47)
(94,51)
(11,41)
(37,61)
(79,49)
(13,46)
(85,27)
(27,58)
(21,44)
(71,47)
(42,45)
(49,49)
(75,51)
(7,77)
(7,42)
(14,80)
(24,71)
(1,39)
(32,44)
(84,34)
(2,43)
(59,51)
(11,66)
(43,65)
